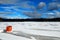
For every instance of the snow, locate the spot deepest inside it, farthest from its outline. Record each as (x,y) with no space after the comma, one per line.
(5,36)
(51,29)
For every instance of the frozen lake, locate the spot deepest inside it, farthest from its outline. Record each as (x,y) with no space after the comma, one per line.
(31,31)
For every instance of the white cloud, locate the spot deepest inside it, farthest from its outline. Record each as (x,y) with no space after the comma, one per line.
(58,5)
(26,4)
(57,13)
(50,13)
(52,6)
(56,0)
(8,1)
(33,14)
(41,5)
(6,13)
(20,3)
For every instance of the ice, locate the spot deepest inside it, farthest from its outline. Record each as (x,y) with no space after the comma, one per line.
(26,30)
(5,36)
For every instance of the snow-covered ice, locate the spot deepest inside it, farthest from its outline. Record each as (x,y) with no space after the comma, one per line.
(27,30)
(5,36)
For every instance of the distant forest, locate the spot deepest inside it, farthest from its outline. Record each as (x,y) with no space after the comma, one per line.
(22,20)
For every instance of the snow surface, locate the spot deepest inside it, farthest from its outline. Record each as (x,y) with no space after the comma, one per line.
(51,29)
(5,36)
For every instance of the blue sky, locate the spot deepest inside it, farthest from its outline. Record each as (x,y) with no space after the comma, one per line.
(38,1)
(26,9)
